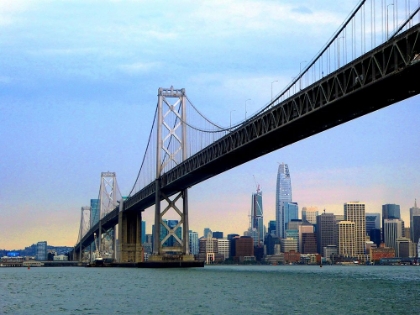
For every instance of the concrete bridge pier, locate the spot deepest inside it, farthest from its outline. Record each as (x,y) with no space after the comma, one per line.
(129,234)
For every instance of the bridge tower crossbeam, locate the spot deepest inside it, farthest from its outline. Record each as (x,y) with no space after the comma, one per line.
(171,151)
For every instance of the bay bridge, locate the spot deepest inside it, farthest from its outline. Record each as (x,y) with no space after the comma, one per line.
(371,61)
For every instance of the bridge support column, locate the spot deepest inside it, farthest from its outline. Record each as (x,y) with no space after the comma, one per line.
(164,233)
(129,234)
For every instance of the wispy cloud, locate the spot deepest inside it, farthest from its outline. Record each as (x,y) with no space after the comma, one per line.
(140,67)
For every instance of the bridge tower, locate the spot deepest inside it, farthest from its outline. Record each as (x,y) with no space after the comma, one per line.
(84,227)
(171,151)
(108,200)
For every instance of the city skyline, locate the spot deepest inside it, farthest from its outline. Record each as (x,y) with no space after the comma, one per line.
(79,84)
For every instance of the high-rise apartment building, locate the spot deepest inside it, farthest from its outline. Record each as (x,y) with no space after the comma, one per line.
(309,214)
(326,233)
(355,212)
(414,212)
(256,220)
(283,194)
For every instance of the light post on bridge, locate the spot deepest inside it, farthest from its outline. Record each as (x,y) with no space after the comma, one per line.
(272,89)
(387,19)
(300,72)
(245,106)
(230,125)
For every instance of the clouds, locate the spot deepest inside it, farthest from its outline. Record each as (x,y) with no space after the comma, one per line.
(78,93)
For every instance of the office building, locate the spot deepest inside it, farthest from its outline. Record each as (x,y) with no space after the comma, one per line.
(355,212)
(414,212)
(41,251)
(143,231)
(283,194)
(223,246)
(94,211)
(218,234)
(392,230)
(209,250)
(309,245)
(244,247)
(272,227)
(416,229)
(270,242)
(375,236)
(404,247)
(291,210)
(194,244)
(256,218)
(207,231)
(326,233)
(309,214)
(346,238)
(231,239)
(389,211)
(304,229)
(373,221)
(288,244)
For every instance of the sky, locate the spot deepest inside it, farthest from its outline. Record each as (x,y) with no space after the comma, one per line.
(78,91)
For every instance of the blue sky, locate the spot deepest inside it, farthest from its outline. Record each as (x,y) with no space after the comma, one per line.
(78,90)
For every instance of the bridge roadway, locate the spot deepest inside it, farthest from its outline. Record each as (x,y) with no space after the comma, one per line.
(385,75)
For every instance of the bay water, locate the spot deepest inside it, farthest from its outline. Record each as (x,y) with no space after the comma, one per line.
(211,290)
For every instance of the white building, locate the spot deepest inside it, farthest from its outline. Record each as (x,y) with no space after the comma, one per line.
(355,212)
(223,247)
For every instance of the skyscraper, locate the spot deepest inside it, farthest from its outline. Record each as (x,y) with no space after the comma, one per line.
(290,212)
(355,212)
(414,212)
(283,194)
(389,211)
(326,231)
(94,211)
(392,231)
(193,239)
(309,214)
(346,238)
(257,216)
(373,221)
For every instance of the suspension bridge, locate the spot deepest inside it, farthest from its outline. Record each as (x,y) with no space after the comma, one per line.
(372,61)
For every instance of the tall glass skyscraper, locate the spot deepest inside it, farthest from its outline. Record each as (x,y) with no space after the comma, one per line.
(283,194)
(290,212)
(257,223)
